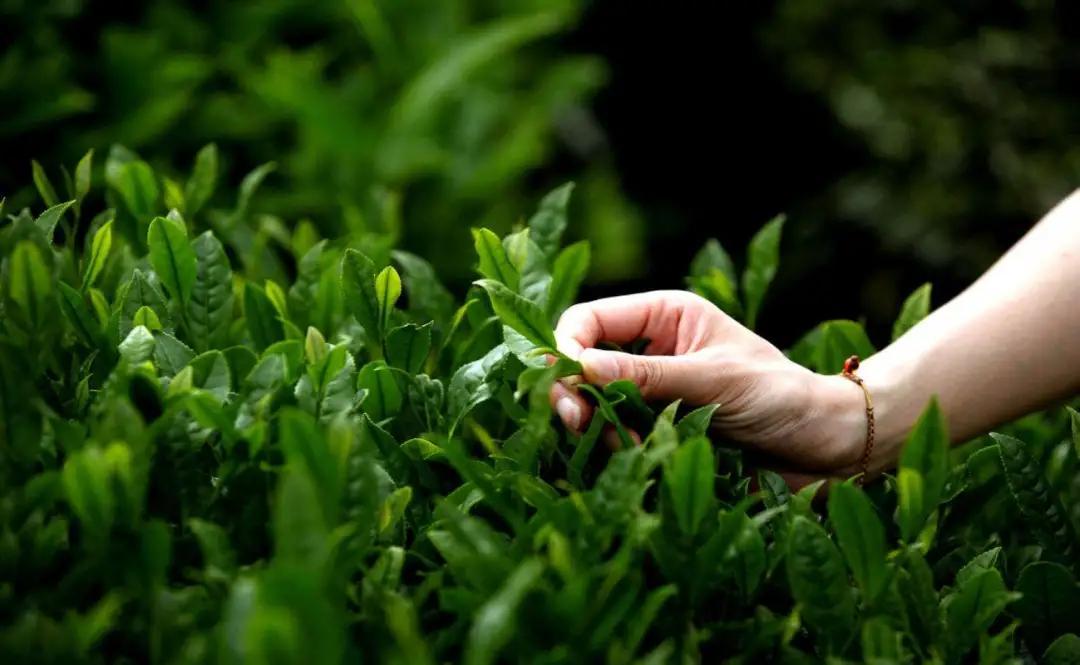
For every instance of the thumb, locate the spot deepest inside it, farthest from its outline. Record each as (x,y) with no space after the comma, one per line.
(657,377)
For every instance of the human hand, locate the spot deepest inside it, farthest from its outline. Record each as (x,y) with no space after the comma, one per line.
(810,423)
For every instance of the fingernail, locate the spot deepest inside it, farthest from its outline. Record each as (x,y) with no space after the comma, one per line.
(569,412)
(599,366)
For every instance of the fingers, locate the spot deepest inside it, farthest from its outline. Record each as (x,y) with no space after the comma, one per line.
(571,408)
(654,315)
(657,377)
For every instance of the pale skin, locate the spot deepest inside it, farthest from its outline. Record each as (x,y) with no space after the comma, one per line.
(1006,346)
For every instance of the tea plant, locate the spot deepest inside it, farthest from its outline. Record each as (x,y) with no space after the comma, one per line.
(200,465)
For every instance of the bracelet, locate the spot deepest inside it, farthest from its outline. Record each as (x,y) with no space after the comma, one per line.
(850,366)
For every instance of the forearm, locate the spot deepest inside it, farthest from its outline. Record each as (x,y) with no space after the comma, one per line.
(1006,346)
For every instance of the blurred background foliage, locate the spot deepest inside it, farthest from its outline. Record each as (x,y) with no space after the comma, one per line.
(441,115)
(907,140)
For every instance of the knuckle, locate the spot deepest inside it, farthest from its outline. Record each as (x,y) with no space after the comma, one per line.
(649,375)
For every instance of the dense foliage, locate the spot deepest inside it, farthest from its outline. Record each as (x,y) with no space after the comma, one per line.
(450,112)
(199,463)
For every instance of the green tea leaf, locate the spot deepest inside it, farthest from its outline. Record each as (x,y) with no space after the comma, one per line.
(712,256)
(428,298)
(200,186)
(30,283)
(262,318)
(839,341)
(47,220)
(494,623)
(170,354)
(358,285)
(819,582)
(83,173)
(1049,604)
(972,609)
(210,372)
(861,537)
(1074,429)
(86,477)
(139,292)
(387,292)
(147,318)
(407,346)
(744,559)
(1037,501)
(1064,651)
(494,263)
(547,225)
(217,553)
(474,383)
(137,187)
(689,480)
(137,347)
(99,254)
(915,309)
(74,307)
(924,468)
(697,422)
(384,398)
(567,274)
(985,561)
(172,257)
(44,187)
(210,310)
(762,260)
(520,314)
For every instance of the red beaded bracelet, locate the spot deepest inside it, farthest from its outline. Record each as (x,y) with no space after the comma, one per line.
(850,366)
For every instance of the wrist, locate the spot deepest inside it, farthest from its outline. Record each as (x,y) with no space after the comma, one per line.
(888,385)
(838,423)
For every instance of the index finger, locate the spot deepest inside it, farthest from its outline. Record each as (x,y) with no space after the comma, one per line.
(654,315)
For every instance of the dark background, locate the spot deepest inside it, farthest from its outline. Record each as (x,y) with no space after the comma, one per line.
(907,140)
(712,137)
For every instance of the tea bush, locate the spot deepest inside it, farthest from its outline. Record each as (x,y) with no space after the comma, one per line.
(345,464)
